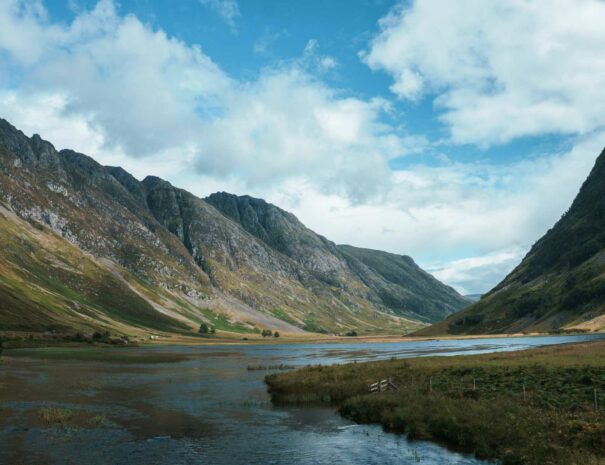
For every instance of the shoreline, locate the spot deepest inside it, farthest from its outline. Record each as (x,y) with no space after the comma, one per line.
(23,341)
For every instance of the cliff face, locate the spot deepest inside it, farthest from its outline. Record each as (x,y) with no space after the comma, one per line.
(88,246)
(392,282)
(560,284)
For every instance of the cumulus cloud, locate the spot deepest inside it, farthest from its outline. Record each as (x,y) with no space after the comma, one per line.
(498,70)
(148,95)
(469,275)
(138,86)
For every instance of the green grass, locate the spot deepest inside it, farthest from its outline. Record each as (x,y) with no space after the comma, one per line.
(312,326)
(476,402)
(36,294)
(280,314)
(222,323)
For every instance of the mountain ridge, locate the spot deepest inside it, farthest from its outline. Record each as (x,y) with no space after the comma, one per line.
(183,257)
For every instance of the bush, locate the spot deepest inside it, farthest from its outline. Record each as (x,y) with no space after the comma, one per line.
(204,329)
(276,334)
(267,333)
(101,336)
(351,333)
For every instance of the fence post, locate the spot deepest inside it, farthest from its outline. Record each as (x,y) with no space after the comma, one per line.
(474,385)
(431,384)
(524,396)
(596,404)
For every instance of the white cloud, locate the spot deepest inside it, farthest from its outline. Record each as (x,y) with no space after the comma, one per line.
(314,60)
(470,275)
(147,95)
(287,125)
(136,85)
(499,69)
(264,43)
(228,10)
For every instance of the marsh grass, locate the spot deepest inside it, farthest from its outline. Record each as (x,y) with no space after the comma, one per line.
(55,416)
(281,366)
(475,403)
(69,419)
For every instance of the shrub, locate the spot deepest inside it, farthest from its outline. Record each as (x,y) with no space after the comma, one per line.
(204,329)
(101,336)
(276,334)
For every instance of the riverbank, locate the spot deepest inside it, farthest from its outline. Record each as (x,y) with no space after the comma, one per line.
(21,340)
(533,407)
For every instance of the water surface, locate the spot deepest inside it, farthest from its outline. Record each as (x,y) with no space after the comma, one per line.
(208,409)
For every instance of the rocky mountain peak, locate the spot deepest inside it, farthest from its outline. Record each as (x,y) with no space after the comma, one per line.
(172,259)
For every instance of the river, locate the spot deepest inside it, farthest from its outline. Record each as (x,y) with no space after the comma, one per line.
(208,409)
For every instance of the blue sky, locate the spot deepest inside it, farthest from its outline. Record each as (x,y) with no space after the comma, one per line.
(455,132)
(264,31)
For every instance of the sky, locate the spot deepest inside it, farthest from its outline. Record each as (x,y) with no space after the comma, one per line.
(454,132)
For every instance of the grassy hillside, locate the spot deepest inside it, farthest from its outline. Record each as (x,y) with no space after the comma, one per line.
(48,284)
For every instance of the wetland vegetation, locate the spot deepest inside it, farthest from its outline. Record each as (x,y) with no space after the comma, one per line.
(537,407)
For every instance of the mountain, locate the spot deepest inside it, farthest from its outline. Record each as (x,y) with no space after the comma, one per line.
(559,285)
(398,282)
(86,246)
(394,282)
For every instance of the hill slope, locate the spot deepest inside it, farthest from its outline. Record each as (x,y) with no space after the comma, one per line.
(86,246)
(560,284)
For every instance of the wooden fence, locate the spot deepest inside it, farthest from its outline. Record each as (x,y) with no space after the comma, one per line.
(383,385)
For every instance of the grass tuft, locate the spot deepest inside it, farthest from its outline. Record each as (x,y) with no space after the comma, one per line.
(55,416)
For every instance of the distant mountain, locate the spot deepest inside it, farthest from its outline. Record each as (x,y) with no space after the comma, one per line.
(394,282)
(473,297)
(399,283)
(85,246)
(559,285)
